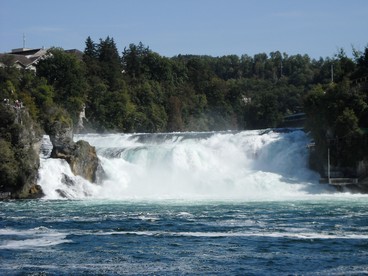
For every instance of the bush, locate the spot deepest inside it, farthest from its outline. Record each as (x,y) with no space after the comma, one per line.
(8,165)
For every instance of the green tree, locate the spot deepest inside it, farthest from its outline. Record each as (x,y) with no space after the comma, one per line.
(259,65)
(110,63)
(90,51)
(67,75)
(9,167)
(132,60)
(175,120)
(90,58)
(228,67)
(362,64)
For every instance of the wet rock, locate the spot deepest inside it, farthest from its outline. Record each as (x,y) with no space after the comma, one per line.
(62,193)
(81,156)
(67,181)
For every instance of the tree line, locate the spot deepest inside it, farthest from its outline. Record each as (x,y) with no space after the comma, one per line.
(338,118)
(142,91)
(139,90)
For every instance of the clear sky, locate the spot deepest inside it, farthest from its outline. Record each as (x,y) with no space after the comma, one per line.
(206,27)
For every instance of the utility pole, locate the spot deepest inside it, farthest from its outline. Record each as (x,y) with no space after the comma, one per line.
(332,73)
(328,166)
(24,41)
(280,67)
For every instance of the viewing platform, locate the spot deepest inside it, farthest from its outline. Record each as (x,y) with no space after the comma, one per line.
(354,185)
(339,181)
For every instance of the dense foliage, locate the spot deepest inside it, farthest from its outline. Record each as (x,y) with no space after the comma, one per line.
(338,115)
(143,91)
(140,90)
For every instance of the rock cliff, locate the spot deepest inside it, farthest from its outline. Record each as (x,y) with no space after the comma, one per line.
(20,140)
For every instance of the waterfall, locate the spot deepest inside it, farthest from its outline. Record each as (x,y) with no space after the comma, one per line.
(258,164)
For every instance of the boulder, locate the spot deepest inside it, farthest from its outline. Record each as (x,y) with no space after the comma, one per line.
(81,156)
(61,134)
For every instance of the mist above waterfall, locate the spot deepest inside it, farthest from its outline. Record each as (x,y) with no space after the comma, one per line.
(214,165)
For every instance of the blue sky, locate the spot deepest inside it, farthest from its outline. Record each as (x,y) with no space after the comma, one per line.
(171,27)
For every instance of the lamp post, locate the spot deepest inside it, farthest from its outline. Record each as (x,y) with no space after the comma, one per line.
(328,165)
(329,138)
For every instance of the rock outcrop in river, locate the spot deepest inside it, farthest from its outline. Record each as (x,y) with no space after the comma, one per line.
(20,141)
(81,156)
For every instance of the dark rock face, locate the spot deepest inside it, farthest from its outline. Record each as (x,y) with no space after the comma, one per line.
(61,134)
(30,137)
(81,156)
(68,182)
(20,141)
(85,161)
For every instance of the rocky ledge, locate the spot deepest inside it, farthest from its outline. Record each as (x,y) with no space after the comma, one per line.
(80,155)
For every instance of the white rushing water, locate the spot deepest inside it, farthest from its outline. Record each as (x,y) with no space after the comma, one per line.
(220,166)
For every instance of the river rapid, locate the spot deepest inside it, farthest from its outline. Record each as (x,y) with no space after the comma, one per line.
(229,203)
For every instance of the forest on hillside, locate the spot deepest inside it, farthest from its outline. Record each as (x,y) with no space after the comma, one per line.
(139,90)
(142,91)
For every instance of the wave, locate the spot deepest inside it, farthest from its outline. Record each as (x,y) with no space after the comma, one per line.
(31,238)
(299,236)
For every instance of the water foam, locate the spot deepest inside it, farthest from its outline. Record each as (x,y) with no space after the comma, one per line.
(297,236)
(31,238)
(219,166)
